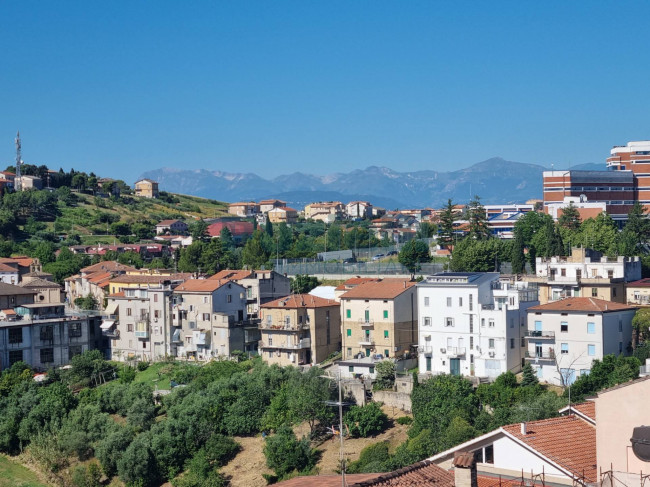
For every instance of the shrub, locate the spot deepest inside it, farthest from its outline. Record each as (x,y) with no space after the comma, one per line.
(87,476)
(404,420)
(284,453)
(142,366)
(126,374)
(364,421)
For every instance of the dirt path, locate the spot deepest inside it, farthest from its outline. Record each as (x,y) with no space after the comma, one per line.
(247,467)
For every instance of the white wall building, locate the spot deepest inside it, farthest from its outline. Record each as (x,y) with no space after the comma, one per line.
(564,337)
(472,324)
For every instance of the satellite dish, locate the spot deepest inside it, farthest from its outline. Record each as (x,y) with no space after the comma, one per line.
(641,442)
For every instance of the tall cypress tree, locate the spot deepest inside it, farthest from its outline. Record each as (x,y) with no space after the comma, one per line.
(447,219)
(517,258)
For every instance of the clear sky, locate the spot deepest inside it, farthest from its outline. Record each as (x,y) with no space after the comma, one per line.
(274,87)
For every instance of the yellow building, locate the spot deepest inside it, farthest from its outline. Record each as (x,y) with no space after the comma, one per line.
(146,188)
(284,214)
(132,281)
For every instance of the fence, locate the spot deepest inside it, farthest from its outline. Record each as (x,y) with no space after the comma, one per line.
(358,268)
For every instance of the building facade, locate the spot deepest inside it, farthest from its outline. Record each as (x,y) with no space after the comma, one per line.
(146,188)
(282,215)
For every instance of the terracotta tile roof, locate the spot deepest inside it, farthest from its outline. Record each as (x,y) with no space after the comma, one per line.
(7,268)
(165,223)
(425,473)
(271,202)
(326,480)
(355,281)
(284,208)
(8,311)
(381,289)
(117,295)
(301,301)
(487,481)
(233,275)
(200,286)
(640,283)
(236,228)
(591,305)
(567,440)
(21,260)
(96,277)
(108,266)
(149,279)
(587,409)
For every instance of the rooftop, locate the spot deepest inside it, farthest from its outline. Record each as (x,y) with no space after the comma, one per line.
(584,409)
(301,301)
(39,283)
(582,305)
(108,266)
(149,279)
(164,223)
(200,286)
(640,283)
(459,278)
(379,289)
(7,268)
(11,290)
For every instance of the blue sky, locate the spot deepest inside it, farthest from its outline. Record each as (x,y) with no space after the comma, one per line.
(274,87)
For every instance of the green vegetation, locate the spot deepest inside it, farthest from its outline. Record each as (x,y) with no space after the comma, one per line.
(13,474)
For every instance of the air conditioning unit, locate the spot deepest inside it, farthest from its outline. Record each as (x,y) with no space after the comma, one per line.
(491,354)
(155,320)
(443,350)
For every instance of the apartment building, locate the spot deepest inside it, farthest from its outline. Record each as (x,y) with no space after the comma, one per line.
(283,214)
(41,335)
(300,329)
(262,286)
(146,188)
(359,209)
(128,281)
(585,273)
(94,281)
(472,323)
(638,292)
(379,317)
(268,205)
(564,337)
(137,322)
(327,212)
(244,208)
(208,318)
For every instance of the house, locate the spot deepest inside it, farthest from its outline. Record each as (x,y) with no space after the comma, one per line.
(555,451)
(244,208)
(208,318)
(48,292)
(358,209)
(9,274)
(379,317)
(351,283)
(283,215)
(638,292)
(262,286)
(175,241)
(299,329)
(23,264)
(173,227)
(472,323)
(267,205)
(325,211)
(28,182)
(585,273)
(564,337)
(94,280)
(137,321)
(135,280)
(239,230)
(146,188)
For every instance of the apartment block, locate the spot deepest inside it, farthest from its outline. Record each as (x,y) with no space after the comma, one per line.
(638,292)
(585,273)
(300,329)
(564,337)
(146,188)
(472,323)
(379,317)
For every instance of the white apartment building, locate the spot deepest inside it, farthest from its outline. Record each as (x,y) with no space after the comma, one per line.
(472,323)
(566,336)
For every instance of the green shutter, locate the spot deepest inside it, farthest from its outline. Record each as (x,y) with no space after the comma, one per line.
(386,314)
(348,313)
(385,333)
(349,332)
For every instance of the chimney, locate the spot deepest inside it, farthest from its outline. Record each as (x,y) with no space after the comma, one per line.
(524,428)
(464,469)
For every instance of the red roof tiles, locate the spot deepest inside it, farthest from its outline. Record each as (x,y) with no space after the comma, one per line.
(301,301)
(381,289)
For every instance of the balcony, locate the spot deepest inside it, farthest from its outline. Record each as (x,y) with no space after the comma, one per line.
(264,325)
(111,333)
(455,351)
(544,356)
(367,340)
(300,344)
(142,330)
(540,334)
(367,324)
(426,349)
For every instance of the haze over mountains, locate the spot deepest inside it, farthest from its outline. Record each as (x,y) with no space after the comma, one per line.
(495,180)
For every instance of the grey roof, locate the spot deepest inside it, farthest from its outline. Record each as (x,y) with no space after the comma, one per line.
(36,283)
(11,290)
(459,279)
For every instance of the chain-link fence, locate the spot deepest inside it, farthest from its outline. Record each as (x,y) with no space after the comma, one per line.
(358,268)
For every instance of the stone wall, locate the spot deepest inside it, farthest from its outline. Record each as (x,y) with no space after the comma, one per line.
(400,400)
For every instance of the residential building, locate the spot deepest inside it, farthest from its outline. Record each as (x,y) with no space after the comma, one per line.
(173,227)
(94,281)
(267,205)
(29,182)
(502,225)
(127,281)
(48,292)
(585,273)
(244,209)
(472,323)
(380,317)
(494,210)
(41,335)
(638,292)
(208,319)
(262,286)
(9,274)
(282,215)
(555,451)
(564,337)
(299,329)
(359,209)
(176,241)
(146,188)
(23,264)
(137,321)
(351,283)
(327,212)
(239,230)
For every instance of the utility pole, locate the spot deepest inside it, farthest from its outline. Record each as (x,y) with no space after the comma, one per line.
(340,404)
(19,161)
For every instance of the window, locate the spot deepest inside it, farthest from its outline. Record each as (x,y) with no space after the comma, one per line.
(620,347)
(349,352)
(594,292)
(460,302)
(512,343)
(155,298)
(15,335)
(206,316)
(591,350)
(47,355)
(448,302)
(156,314)
(591,328)
(512,322)
(129,327)
(491,323)
(471,343)
(449,322)
(385,333)
(488,456)
(427,321)
(385,314)
(564,348)
(483,322)
(74,350)
(228,298)
(349,332)
(74,331)
(205,299)
(426,300)
(620,325)
(348,313)
(372,370)
(563,272)
(613,292)
(47,332)
(564,327)
(351,368)
(386,353)
(471,303)
(471,323)
(491,343)
(15,356)
(523,342)
(129,312)
(610,274)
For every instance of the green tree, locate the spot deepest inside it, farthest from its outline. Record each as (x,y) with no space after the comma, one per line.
(426,230)
(254,256)
(226,238)
(365,421)
(636,231)
(307,401)
(385,375)
(138,463)
(198,229)
(285,454)
(87,302)
(600,234)
(303,283)
(640,326)
(518,259)
(447,219)
(570,218)
(413,253)
(268,228)
(284,238)
(529,378)
(44,251)
(478,227)
(190,257)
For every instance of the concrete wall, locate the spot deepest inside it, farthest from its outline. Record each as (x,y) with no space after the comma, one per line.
(400,400)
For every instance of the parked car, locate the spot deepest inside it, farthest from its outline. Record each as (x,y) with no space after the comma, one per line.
(378,257)
(350,260)
(392,252)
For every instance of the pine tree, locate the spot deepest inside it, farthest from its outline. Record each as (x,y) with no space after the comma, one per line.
(478,227)
(570,218)
(447,219)
(269,228)
(529,377)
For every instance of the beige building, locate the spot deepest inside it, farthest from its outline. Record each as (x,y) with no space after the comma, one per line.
(585,273)
(359,209)
(244,208)
(267,205)
(300,329)
(146,188)
(328,211)
(48,292)
(283,214)
(638,292)
(379,317)
(94,280)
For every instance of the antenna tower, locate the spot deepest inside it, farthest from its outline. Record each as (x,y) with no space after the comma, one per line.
(19,161)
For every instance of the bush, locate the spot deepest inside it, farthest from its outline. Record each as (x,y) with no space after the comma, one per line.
(126,374)
(373,458)
(142,366)
(385,375)
(87,476)
(404,420)
(364,421)
(285,454)
(110,449)
(220,449)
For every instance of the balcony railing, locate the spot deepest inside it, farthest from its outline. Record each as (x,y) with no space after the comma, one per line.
(547,355)
(540,334)
(366,323)
(300,344)
(367,340)
(142,329)
(111,333)
(425,349)
(264,325)
(455,351)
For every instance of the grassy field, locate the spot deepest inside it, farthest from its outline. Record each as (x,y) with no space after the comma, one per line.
(157,374)
(14,475)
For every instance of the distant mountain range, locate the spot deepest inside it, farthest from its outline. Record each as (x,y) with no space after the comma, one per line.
(495,180)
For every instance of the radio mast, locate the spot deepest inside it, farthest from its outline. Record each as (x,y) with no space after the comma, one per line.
(19,161)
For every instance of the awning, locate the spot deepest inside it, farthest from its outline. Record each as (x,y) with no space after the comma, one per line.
(107,324)
(111,309)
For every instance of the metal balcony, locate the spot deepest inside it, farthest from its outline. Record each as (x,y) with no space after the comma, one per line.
(545,356)
(540,334)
